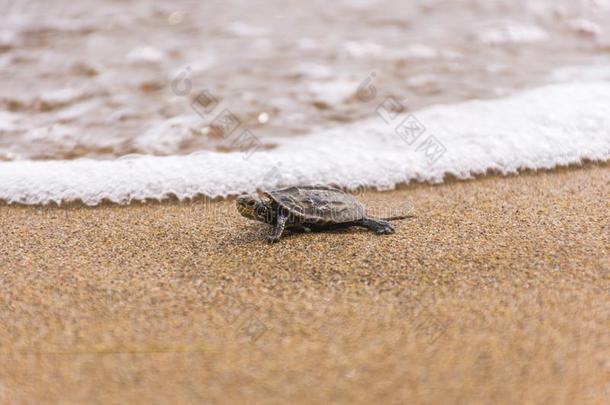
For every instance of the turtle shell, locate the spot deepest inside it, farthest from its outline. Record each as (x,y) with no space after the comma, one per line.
(318,205)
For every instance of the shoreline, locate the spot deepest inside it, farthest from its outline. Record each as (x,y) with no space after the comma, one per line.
(495,292)
(412,185)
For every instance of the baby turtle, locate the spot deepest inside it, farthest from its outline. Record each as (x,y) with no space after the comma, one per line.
(311,208)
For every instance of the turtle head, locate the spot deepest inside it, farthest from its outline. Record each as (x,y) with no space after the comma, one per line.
(252,207)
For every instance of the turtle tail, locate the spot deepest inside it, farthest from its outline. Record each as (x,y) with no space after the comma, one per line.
(398,217)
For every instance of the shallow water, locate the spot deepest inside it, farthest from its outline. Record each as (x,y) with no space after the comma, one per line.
(103,79)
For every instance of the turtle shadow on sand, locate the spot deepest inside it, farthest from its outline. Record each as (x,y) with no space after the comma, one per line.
(256,233)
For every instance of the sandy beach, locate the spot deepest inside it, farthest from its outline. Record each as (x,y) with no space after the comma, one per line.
(490,120)
(497,292)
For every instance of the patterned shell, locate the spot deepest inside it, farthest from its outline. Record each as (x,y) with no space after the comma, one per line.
(319,205)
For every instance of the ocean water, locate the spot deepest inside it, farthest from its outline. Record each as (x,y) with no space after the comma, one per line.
(125,101)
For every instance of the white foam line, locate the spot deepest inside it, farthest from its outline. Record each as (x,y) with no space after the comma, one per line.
(541,128)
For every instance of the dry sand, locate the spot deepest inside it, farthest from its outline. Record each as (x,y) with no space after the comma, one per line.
(498,292)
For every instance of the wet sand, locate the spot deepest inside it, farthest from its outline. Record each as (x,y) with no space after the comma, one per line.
(497,292)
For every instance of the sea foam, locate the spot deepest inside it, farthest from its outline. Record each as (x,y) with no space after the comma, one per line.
(541,128)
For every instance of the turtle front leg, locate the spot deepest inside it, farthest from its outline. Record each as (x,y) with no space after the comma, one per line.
(278,228)
(378,226)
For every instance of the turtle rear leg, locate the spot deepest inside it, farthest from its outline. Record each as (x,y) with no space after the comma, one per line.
(278,229)
(378,226)
(299,229)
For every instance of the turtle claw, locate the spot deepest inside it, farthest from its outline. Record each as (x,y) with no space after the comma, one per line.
(272,239)
(385,230)
(380,227)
